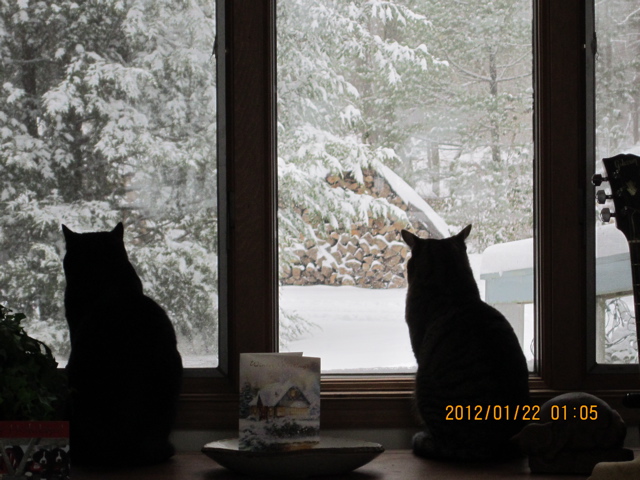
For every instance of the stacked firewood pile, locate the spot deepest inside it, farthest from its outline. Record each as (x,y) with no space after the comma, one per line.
(368,255)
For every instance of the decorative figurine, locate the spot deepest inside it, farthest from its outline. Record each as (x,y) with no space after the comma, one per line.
(616,471)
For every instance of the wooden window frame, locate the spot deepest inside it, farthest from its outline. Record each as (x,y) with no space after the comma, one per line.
(563,287)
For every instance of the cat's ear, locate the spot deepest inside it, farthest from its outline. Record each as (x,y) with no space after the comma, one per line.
(464,233)
(68,234)
(118,231)
(409,238)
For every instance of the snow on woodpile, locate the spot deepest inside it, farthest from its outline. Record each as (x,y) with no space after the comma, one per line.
(423,212)
(369,254)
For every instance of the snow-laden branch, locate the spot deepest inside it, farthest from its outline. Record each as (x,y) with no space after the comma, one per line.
(485,78)
(628,17)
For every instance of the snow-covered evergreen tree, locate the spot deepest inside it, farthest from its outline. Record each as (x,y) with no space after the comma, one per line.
(107,114)
(345,72)
(617,78)
(477,136)
(440,92)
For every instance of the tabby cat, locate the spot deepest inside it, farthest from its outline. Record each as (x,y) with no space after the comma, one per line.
(124,369)
(467,354)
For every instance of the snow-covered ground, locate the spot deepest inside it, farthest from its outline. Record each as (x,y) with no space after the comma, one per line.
(356,329)
(360,329)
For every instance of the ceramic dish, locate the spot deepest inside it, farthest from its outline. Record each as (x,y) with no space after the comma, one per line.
(329,457)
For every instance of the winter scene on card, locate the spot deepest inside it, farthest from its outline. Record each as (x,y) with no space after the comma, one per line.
(279,401)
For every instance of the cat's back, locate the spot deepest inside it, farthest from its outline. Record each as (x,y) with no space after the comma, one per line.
(473,343)
(106,308)
(124,369)
(475,324)
(468,355)
(134,326)
(449,323)
(470,360)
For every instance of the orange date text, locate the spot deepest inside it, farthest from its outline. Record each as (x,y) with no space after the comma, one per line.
(492,412)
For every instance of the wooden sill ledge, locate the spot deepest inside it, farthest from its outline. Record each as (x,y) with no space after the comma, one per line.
(391,465)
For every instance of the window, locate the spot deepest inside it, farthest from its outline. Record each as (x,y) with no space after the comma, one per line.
(563,195)
(249,270)
(391,116)
(107,114)
(617,128)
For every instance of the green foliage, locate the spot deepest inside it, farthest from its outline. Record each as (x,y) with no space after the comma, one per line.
(339,95)
(475,152)
(31,387)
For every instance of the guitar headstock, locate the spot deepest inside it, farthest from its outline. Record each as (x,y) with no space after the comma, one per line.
(623,175)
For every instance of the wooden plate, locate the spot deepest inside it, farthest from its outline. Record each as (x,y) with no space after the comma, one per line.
(331,456)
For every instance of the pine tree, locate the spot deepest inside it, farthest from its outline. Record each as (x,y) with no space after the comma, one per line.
(476,144)
(617,77)
(344,76)
(108,114)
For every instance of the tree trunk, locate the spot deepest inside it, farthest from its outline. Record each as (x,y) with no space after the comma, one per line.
(29,81)
(493,90)
(636,122)
(434,166)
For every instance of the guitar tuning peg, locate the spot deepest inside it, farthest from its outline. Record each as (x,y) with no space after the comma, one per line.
(606,215)
(602,197)
(597,179)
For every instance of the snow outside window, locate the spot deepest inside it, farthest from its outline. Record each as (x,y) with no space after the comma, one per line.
(396,115)
(617,131)
(107,114)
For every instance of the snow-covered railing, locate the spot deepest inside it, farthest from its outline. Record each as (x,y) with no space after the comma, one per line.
(507,270)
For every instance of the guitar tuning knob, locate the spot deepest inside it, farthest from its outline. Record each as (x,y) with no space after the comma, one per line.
(606,215)
(597,179)
(602,197)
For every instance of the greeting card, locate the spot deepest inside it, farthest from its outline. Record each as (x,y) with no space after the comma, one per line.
(279,401)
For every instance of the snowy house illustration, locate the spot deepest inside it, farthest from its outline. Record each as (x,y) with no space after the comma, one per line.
(369,254)
(279,400)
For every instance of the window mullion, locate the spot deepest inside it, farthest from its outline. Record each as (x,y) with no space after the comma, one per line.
(560,153)
(252,172)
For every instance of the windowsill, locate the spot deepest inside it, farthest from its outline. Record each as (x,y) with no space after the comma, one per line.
(355,403)
(391,465)
(391,438)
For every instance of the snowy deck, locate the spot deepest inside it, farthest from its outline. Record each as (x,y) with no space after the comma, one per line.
(507,268)
(507,272)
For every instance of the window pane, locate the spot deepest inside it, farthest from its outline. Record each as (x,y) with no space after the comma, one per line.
(107,114)
(617,131)
(391,115)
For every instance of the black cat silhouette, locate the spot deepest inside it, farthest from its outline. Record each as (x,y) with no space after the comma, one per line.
(469,359)
(124,368)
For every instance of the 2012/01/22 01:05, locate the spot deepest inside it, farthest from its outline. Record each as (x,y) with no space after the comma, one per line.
(519,412)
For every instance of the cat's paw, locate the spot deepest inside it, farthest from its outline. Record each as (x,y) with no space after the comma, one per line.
(424,445)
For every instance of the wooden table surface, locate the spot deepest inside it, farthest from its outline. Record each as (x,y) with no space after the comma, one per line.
(392,464)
